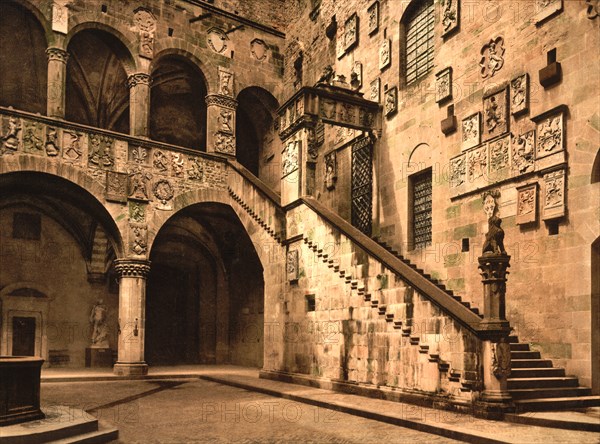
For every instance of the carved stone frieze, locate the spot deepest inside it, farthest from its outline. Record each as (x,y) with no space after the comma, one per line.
(138,155)
(527,203)
(177,164)
(292,265)
(373,18)
(523,153)
(160,162)
(116,186)
(195,169)
(374,89)
(57,54)
(553,201)
(544,9)
(450,16)
(11,127)
(496,119)
(390,104)
(138,239)
(72,147)
(471,131)
(443,85)
(33,137)
(290,157)
(101,151)
(385,54)
(330,170)
(519,94)
(226,82)
(258,49)
(145,24)
(52,144)
(351,32)
(138,183)
(164,192)
(224,143)
(139,78)
(137,212)
(217,40)
(222,101)
(492,57)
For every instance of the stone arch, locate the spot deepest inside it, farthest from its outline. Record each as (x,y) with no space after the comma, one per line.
(179,47)
(126,57)
(36,288)
(39,15)
(420,156)
(86,186)
(596,168)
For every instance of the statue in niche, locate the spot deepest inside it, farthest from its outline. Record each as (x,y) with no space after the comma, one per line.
(99,327)
(494,238)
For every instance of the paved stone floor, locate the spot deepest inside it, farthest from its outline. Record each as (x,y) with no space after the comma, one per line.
(198,411)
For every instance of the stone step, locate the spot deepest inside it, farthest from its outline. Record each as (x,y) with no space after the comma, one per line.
(519,346)
(560,392)
(524,355)
(530,363)
(513,339)
(537,372)
(552,382)
(100,436)
(542,404)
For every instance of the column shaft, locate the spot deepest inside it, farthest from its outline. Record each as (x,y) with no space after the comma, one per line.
(57,82)
(139,104)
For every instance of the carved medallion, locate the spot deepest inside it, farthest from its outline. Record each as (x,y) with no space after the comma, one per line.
(385,54)
(390,104)
(160,162)
(351,32)
(330,170)
(492,57)
(374,88)
(554,195)
(163,191)
(224,143)
(11,127)
(544,9)
(217,40)
(52,144)
(373,13)
(495,122)
(292,266)
(145,23)
(101,151)
(519,95)
(71,142)
(139,180)
(550,135)
(527,203)
(290,158)
(471,131)
(450,16)
(443,85)
(523,153)
(258,49)
(195,169)
(116,186)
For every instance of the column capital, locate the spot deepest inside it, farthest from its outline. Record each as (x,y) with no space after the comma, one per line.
(221,100)
(132,267)
(139,78)
(57,54)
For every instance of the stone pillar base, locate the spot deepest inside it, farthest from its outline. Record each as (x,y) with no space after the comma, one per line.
(493,405)
(130,369)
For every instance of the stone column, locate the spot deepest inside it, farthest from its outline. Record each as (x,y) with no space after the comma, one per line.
(57,81)
(139,104)
(493,271)
(132,316)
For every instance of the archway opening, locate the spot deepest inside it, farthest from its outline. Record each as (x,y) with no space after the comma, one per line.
(58,244)
(596,316)
(23,44)
(97,91)
(204,297)
(256,139)
(596,168)
(178,89)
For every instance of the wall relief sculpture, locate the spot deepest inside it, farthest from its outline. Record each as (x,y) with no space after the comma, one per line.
(492,57)
(33,137)
(519,95)
(225,120)
(145,24)
(139,180)
(116,187)
(374,90)
(330,170)
(292,266)
(527,203)
(523,153)
(11,126)
(351,32)
(390,104)
(224,143)
(52,142)
(554,195)
(545,9)
(290,158)
(373,18)
(385,54)
(101,151)
(340,42)
(225,82)
(138,235)
(477,163)
(458,171)
(550,135)
(137,212)
(138,155)
(450,16)
(160,162)
(217,40)
(471,131)
(443,85)
(356,76)
(258,49)
(196,169)
(177,164)
(495,121)
(72,149)
(499,159)
(164,192)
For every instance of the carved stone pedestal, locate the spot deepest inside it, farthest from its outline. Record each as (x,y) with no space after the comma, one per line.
(98,357)
(19,389)
(493,271)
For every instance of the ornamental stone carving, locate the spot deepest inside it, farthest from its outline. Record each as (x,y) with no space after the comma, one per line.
(139,180)
(132,268)
(385,54)
(527,203)
(356,76)
(177,164)
(57,54)
(116,186)
(544,9)
(60,16)
(495,122)
(390,104)
(224,143)
(477,161)
(499,159)
(217,40)
(258,49)
(519,95)
(554,195)
(163,191)
(196,169)
(492,57)
(374,89)
(138,154)
(72,149)
(101,151)
(145,24)
(138,239)
(330,170)
(373,18)
(225,120)
(222,101)
(292,266)
(137,212)
(443,85)
(458,171)
(550,135)
(471,131)
(33,136)
(290,158)
(160,162)
(523,153)
(139,78)
(225,82)
(450,16)
(351,32)
(11,126)
(52,142)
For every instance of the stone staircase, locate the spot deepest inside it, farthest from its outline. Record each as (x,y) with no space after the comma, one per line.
(536,385)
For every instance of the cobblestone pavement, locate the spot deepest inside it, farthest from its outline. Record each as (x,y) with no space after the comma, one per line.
(197,411)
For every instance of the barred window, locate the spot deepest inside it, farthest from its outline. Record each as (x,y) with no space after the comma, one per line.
(421,209)
(419,42)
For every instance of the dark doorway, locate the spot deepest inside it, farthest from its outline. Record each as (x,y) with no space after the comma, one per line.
(23,336)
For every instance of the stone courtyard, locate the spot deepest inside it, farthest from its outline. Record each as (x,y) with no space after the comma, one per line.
(393,199)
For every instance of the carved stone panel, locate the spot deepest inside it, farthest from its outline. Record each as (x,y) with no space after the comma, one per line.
(351,32)
(138,155)
(292,266)
(138,184)
(33,137)
(527,203)
(160,162)
(385,54)
(137,212)
(164,192)
(11,129)
(116,186)
(450,16)
(177,164)
(72,146)
(519,95)
(496,119)
(499,159)
(477,166)
(52,144)
(195,169)
(374,90)
(258,49)
(544,9)
(391,101)
(138,239)
(145,24)
(330,170)
(217,40)
(101,151)
(492,57)
(224,143)
(226,121)
(458,174)
(356,76)
(60,16)
(373,21)
(550,138)
(471,131)
(443,85)
(523,153)
(290,158)
(553,202)
(340,42)
(226,82)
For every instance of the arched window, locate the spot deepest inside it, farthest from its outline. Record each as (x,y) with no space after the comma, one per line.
(418,40)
